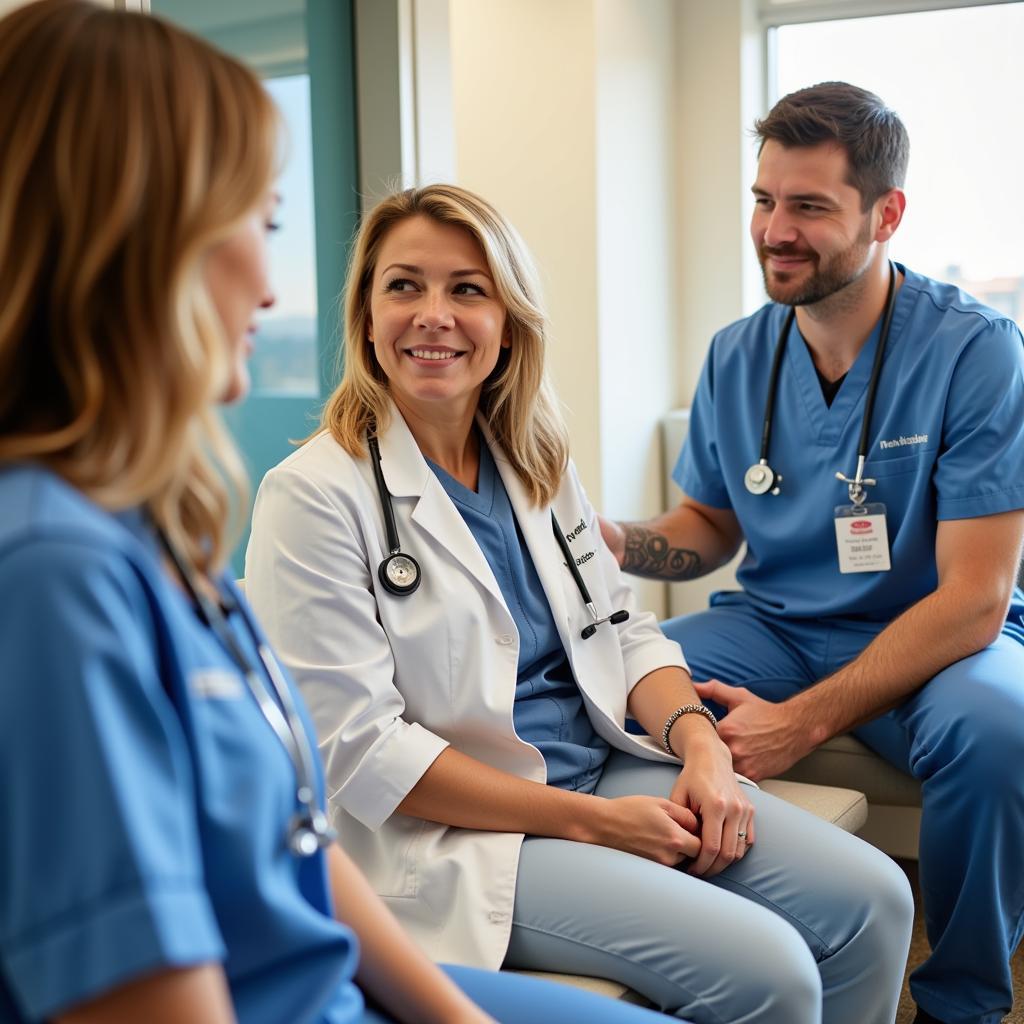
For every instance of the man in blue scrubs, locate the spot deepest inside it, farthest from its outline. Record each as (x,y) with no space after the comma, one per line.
(887,609)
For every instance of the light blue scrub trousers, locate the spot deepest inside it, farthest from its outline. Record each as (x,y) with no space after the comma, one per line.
(513,999)
(811,925)
(962,737)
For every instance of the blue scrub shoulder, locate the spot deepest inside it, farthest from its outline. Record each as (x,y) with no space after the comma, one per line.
(128,737)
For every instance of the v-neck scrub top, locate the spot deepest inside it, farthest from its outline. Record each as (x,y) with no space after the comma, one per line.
(946,442)
(548,710)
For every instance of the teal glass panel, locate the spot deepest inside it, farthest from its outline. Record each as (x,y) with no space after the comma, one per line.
(304,52)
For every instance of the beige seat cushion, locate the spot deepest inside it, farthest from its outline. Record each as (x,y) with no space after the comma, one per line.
(600,986)
(845,808)
(846,762)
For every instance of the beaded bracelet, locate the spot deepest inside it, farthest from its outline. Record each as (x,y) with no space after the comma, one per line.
(686,709)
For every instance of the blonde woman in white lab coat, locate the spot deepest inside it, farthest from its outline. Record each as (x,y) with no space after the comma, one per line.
(478,765)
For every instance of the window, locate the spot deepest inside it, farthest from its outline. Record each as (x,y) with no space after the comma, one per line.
(956,79)
(284,361)
(303,51)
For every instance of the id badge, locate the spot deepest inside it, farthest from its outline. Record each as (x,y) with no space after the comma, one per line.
(862,538)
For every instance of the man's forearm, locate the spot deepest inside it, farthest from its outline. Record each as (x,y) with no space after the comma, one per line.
(649,554)
(949,624)
(682,544)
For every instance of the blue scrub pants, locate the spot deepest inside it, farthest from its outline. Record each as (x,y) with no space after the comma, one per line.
(515,999)
(811,925)
(961,736)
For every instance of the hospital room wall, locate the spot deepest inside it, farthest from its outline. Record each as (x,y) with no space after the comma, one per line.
(612,132)
(564,118)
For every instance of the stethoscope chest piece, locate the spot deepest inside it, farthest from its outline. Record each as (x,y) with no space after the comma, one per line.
(762,479)
(399,574)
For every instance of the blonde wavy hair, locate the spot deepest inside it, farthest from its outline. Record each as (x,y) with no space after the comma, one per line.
(128,148)
(517,400)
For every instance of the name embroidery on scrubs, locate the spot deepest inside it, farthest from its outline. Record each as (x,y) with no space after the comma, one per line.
(215,684)
(900,442)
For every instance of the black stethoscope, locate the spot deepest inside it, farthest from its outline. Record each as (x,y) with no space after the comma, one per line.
(761,478)
(400,574)
(308,830)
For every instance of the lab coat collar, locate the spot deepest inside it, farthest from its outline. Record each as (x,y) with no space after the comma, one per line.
(405,470)
(407,475)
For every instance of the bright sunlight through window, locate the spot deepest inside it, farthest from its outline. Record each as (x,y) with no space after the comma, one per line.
(956,78)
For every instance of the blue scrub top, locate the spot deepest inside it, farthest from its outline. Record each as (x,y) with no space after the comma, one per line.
(946,442)
(548,710)
(146,798)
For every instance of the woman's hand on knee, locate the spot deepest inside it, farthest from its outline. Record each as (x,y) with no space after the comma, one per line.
(647,826)
(707,786)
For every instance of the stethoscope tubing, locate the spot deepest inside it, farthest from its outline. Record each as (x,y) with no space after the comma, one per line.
(869,401)
(281,715)
(390,527)
(395,550)
(773,386)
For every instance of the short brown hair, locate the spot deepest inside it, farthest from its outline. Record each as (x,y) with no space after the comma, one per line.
(875,140)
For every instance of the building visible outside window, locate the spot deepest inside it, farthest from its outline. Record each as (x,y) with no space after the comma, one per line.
(956,78)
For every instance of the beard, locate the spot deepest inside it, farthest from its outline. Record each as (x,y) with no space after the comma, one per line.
(829,275)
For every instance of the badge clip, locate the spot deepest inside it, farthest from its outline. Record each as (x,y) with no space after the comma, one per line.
(856,486)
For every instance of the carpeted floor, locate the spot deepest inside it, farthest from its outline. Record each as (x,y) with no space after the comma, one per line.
(919,952)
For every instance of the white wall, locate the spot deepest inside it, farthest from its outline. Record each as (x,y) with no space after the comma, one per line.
(564,118)
(637,308)
(613,134)
(523,82)
(404,95)
(719,90)
(718,96)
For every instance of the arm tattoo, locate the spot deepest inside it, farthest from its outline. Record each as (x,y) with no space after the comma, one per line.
(649,554)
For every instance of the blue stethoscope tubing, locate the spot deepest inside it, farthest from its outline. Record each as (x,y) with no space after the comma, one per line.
(400,574)
(760,478)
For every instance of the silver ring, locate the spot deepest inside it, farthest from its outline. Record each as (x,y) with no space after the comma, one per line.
(741,835)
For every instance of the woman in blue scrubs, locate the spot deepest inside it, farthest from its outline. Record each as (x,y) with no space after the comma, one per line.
(163,852)
(433,574)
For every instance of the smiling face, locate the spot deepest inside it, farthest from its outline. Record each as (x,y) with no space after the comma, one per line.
(236,273)
(811,235)
(436,322)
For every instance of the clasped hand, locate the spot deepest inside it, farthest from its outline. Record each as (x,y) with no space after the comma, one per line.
(707,786)
(765,739)
(707,819)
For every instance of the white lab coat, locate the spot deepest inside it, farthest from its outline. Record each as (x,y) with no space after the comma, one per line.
(391,681)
